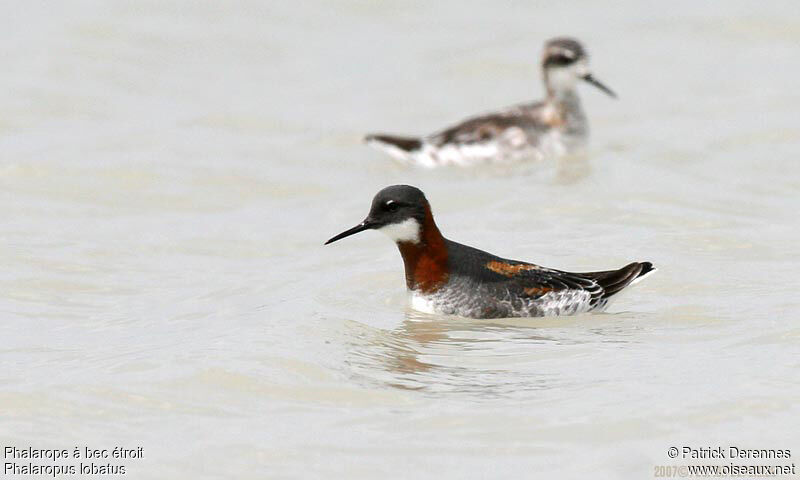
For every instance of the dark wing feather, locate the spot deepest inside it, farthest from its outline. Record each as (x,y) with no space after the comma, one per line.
(487,268)
(601,285)
(556,280)
(533,281)
(489,127)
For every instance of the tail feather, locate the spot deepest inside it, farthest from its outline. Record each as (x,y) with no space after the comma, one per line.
(647,269)
(614,281)
(406,144)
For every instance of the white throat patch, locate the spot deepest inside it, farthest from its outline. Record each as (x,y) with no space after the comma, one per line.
(565,78)
(405,231)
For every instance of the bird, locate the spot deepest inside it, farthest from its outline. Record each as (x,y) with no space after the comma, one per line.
(552,127)
(445,277)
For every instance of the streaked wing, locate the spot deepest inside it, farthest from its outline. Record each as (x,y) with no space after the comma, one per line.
(508,126)
(532,281)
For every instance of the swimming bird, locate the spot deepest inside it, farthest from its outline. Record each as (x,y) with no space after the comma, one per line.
(552,127)
(449,278)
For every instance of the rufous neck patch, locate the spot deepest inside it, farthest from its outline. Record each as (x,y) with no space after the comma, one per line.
(425,261)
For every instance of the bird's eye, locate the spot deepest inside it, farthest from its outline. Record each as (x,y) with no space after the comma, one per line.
(390,206)
(560,60)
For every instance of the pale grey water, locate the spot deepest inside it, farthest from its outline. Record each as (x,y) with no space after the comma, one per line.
(170,170)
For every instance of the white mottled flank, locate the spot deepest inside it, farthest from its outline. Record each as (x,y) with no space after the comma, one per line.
(572,302)
(512,146)
(405,231)
(463,297)
(422,303)
(458,154)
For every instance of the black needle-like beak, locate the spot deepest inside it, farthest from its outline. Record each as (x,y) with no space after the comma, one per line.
(365,225)
(590,79)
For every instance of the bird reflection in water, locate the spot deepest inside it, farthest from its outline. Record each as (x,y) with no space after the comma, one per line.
(440,354)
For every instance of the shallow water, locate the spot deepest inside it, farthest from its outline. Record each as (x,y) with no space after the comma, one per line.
(169,172)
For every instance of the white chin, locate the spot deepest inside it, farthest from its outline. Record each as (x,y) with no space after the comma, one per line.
(405,231)
(565,78)
(562,79)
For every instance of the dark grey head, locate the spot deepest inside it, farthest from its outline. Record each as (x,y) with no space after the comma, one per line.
(399,211)
(562,51)
(564,63)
